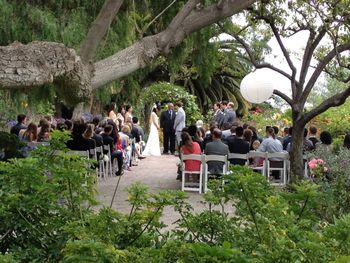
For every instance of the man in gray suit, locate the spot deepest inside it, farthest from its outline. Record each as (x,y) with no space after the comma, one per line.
(180,121)
(230,114)
(216,147)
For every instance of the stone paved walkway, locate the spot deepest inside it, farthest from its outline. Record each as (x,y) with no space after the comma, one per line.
(158,173)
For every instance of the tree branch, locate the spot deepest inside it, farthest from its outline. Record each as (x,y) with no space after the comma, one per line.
(253,60)
(320,68)
(160,14)
(283,96)
(99,29)
(333,101)
(169,32)
(311,45)
(143,51)
(286,55)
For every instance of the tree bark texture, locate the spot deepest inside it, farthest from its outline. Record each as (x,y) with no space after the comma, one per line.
(38,63)
(296,154)
(145,50)
(99,29)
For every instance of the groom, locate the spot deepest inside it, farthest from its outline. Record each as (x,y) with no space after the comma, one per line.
(180,121)
(167,119)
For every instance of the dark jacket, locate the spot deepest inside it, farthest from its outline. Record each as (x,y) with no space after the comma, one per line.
(167,121)
(216,147)
(16,128)
(237,145)
(78,143)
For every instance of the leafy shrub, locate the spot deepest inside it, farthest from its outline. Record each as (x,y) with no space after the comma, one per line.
(46,216)
(166,92)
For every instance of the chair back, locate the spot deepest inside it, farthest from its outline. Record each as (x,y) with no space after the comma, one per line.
(214,158)
(280,163)
(239,156)
(259,167)
(185,185)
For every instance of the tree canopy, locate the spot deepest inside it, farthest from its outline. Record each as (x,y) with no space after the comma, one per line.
(136,39)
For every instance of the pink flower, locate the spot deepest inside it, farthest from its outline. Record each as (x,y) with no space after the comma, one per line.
(320,161)
(313,164)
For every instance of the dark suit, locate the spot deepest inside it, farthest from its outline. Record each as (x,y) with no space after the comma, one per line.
(216,147)
(237,145)
(167,119)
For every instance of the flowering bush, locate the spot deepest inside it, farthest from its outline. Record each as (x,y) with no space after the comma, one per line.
(317,167)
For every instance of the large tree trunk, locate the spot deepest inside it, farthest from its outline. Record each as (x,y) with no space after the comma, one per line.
(38,63)
(296,154)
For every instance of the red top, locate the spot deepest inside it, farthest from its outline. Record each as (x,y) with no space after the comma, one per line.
(192,165)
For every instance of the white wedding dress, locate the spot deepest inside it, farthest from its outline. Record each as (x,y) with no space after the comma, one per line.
(152,146)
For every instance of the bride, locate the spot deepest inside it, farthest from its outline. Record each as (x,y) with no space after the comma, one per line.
(152,146)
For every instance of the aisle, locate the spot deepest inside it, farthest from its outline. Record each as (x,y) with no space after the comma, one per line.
(158,173)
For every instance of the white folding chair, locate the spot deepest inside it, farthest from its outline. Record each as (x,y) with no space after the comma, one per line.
(192,187)
(101,164)
(306,166)
(239,156)
(256,156)
(108,165)
(84,153)
(278,161)
(216,158)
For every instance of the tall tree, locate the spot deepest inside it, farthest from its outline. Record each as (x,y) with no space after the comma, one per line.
(76,77)
(326,51)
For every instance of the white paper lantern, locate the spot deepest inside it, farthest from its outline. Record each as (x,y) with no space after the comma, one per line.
(257,86)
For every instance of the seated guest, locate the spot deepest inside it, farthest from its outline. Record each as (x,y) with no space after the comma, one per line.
(30,134)
(226,130)
(247,136)
(287,139)
(96,121)
(254,136)
(280,138)
(312,135)
(69,125)
(78,142)
(270,144)
(216,147)
(190,147)
(135,134)
(20,125)
(44,133)
(233,133)
(325,141)
(238,145)
(108,140)
(346,142)
(307,144)
(90,134)
(208,137)
(192,130)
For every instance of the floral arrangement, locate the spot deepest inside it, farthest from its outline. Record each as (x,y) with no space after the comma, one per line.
(317,167)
